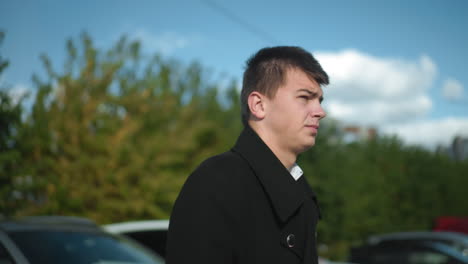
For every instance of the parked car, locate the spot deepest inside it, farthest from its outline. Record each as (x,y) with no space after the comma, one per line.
(150,233)
(71,240)
(153,234)
(413,248)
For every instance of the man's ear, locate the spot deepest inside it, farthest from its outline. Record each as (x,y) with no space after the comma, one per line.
(257,104)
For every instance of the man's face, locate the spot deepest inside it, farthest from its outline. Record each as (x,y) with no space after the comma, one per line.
(293,114)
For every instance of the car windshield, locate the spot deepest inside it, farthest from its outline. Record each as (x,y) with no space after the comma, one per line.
(79,248)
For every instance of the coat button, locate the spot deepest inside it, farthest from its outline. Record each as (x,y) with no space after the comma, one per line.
(291,240)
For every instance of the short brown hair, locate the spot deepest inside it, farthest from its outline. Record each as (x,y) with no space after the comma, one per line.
(266,71)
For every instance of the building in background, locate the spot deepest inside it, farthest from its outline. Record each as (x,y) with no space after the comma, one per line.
(458,150)
(358,133)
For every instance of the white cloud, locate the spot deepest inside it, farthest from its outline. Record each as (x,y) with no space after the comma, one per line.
(379,111)
(452,89)
(17,92)
(390,94)
(369,90)
(429,133)
(166,43)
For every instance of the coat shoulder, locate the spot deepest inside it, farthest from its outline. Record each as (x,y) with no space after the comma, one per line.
(224,172)
(223,163)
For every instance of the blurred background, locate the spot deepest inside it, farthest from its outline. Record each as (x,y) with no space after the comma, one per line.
(107,106)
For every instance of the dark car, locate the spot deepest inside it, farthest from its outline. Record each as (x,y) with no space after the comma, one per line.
(413,248)
(71,240)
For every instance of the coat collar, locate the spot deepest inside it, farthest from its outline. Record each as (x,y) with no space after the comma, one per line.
(285,193)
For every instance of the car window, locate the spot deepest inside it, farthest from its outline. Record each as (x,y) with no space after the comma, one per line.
(78,248)
(388,257)
(154,240)
(5,257)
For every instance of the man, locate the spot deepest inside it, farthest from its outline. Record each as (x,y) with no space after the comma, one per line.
(252,204)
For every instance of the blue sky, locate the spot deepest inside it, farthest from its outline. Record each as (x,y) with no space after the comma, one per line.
(399,66)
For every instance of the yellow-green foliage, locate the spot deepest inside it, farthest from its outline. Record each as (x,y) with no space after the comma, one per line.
(114,136)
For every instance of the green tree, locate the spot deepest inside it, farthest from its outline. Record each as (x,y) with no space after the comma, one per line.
(10,156)
(114,136)
(379,186)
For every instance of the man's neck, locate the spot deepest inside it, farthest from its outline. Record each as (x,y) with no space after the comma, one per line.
(287,158)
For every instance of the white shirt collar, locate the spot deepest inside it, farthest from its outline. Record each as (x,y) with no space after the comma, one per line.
(296,171)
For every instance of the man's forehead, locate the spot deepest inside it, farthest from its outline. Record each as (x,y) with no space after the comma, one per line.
(298,75)
(301,81)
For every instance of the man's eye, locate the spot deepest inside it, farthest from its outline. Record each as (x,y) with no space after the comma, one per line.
(304,97)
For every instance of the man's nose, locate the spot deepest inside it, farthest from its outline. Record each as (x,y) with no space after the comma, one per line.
(319,112)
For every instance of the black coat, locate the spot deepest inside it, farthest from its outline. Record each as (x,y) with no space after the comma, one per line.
(243,206)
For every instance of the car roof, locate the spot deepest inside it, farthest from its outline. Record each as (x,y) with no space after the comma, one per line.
(136,226)
(422,235)
(48,223)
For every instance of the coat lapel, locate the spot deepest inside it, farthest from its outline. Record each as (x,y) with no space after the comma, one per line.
(284,192)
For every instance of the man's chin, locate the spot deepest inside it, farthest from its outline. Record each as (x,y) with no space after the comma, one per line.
(307,145)
(311,139)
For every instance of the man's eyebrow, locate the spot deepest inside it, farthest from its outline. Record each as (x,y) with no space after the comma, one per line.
(313,94)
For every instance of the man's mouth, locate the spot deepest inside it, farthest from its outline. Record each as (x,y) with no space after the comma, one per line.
(314,128)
